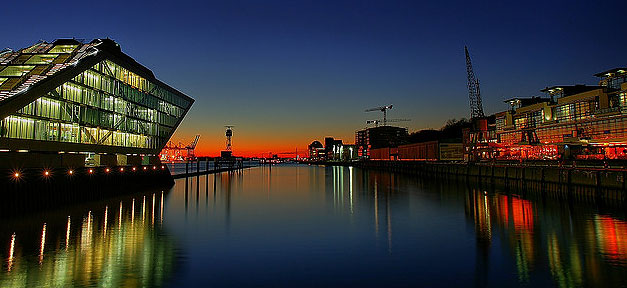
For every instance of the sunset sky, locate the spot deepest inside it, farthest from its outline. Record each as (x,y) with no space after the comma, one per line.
(285,73)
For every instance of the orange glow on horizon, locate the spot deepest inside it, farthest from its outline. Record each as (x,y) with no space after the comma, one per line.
(258,141)
(255,149)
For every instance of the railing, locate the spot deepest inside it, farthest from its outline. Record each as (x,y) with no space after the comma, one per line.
(609,110)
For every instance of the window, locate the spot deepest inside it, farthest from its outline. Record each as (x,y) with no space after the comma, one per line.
(69,133)
(105,105)
(19,127)
(575,111)
(41,59)
(16,70)
(63,49)
(72,92)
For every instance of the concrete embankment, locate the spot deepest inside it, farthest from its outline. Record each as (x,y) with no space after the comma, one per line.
(586,182)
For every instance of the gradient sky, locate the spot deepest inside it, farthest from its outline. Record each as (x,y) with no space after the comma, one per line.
(288,72)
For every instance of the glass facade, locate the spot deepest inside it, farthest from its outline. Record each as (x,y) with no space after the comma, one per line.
(529,120)
(104,105)
(616,81)
(575,111)
(500,124)
(510,138)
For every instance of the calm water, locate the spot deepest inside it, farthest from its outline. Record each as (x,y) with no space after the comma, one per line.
(305,226)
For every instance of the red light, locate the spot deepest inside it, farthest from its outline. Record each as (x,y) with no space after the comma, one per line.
(46,173)
(154,167)
(107,170)
(144,168)
(16,175)
(162,167)
(134,168)
(91,171)
(121,169)
(70,172)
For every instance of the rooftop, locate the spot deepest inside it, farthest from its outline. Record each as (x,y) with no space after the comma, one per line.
(33,66)
(526,101)
(611,72)
(567,90)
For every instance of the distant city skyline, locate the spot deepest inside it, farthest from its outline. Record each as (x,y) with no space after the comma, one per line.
(287,73)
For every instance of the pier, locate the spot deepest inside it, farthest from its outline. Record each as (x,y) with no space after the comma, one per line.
(197,167)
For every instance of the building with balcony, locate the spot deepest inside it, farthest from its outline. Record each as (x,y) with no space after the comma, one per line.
(569,122)
(70,103)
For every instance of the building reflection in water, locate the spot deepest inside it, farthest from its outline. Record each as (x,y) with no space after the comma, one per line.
(352,189)
(611,238)
(514,239)
(580,248)
(100,249)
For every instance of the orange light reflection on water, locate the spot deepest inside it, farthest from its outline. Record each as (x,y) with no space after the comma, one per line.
(611,235)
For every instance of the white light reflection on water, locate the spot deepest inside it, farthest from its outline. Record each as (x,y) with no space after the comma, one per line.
(312,227)
(124,255)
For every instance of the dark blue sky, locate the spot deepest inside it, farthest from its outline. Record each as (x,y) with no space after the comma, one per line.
(286,72)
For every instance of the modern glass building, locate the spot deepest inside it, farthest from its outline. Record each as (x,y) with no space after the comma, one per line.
(86,98)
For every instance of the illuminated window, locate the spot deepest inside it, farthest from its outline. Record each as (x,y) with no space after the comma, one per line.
(41,59)
(104,105)
(63,49)
(16,70)
(575,111)
(19,127)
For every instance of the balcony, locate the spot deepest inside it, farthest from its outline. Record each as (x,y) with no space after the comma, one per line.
(609,111)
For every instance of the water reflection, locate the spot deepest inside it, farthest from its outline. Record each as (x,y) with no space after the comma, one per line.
(579,246)
(575,244)
(304,226)
(89,247)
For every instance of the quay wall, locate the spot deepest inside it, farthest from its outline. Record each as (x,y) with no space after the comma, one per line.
(582,176)
(32,190)
(608,183)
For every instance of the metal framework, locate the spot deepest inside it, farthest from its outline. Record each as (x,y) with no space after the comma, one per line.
(476,108)
(383,109)
(84,97)
(229,134)
(173,152)
(377,122)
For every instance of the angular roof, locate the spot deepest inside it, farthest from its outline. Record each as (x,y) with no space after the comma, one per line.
(30,72)
(526,101)
(619,70)
(571,89)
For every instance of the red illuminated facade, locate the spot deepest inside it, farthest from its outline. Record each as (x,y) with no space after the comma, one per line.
(576,122)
